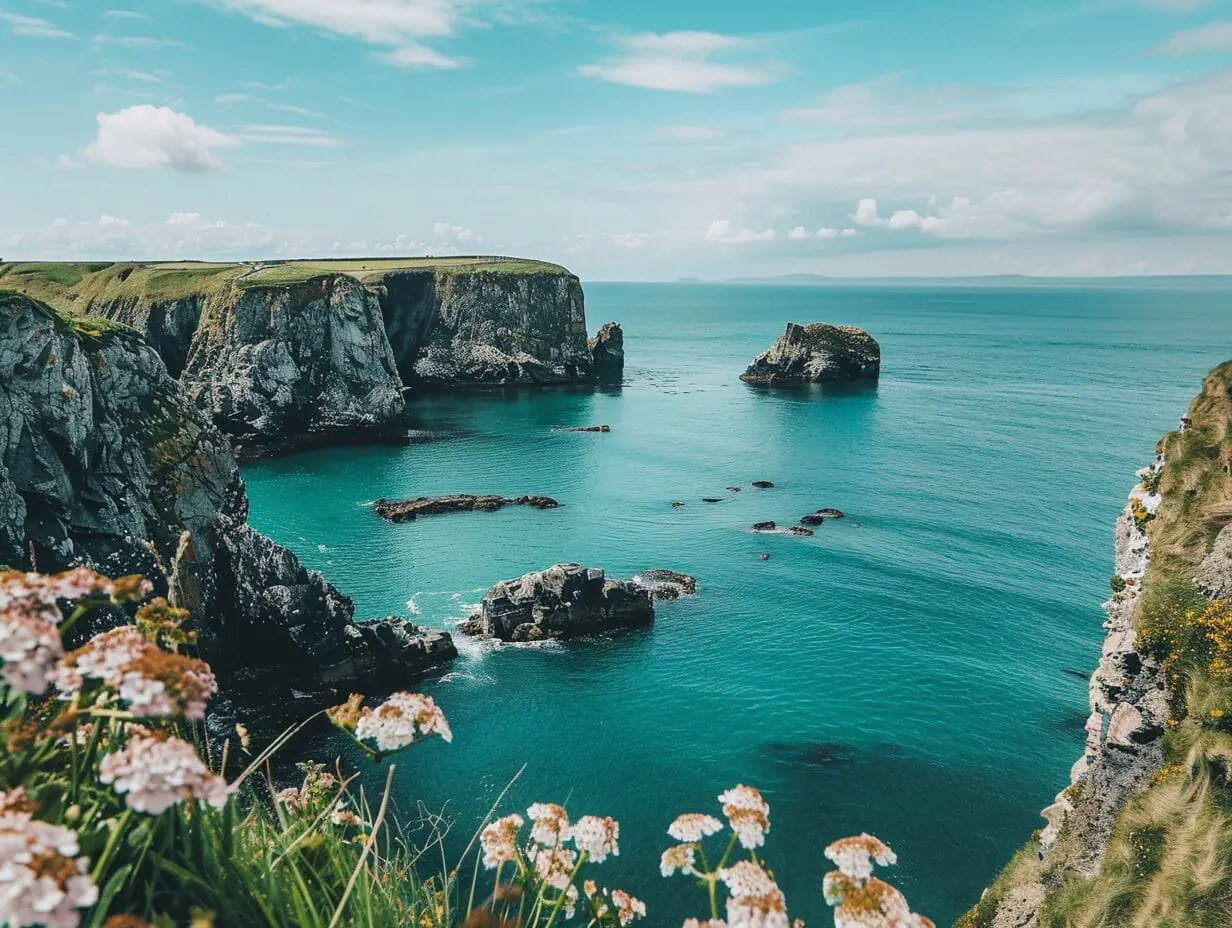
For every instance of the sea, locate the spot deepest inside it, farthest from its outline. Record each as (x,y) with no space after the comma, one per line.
(917,670)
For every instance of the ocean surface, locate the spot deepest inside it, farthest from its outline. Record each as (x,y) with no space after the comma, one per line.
(916,670)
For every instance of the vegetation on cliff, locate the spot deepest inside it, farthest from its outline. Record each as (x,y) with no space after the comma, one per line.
(1169,861)
(116,813)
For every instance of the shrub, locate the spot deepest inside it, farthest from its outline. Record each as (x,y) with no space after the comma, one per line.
(1118,584)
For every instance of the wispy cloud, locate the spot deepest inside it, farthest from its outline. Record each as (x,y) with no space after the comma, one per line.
(723,232)
(126,14)
(132,74)
(134,41)
(683,62)
(691,133)
(33,27)
(402,26)
(275,134)
(227,99)
(1213,38)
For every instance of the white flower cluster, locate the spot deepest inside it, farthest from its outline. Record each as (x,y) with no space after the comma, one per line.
(693,826)
(157,774)
(708,923)
(153,682)
(748,814)
(42,881)
(754,899)
(550,824)
(555,866)
(628,908)
(860,899)
(30,646)
(597,837)
(499,841)
(678,857)
(401,721)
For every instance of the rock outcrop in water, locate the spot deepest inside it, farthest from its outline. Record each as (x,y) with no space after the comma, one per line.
(564,601)
(666,585)
(411,509)
(816,354)
(284,355)
(106,462)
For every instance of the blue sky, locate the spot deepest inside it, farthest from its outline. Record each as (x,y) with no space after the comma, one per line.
(628,140)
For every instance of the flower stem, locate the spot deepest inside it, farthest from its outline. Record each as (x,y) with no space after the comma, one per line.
(113,841)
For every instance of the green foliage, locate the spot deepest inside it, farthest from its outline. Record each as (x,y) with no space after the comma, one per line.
(1118,584)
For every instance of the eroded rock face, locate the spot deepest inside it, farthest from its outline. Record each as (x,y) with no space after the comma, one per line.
(666,585)
(106,462)
(563,601)
(607,350)
(816,354)
(1214,577)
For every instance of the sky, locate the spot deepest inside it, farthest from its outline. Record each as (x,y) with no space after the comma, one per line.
(626,139)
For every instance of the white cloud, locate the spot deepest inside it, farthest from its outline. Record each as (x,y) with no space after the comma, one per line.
(632,240)
(1214,38)
(274,134)
(134,41)
(184,219)
(125,14)
(402,245)
(105,220)
(722,232)
(33,27)
(799,234)
(826,232)
(146,136)
(459,234)
(399,24)
(691,133)
(850,233)
(866,213)
(680,61)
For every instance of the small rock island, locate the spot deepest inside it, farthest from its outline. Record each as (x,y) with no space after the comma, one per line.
(817,353)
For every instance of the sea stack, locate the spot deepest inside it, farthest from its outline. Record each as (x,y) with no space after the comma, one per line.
(607,349)
(816,354)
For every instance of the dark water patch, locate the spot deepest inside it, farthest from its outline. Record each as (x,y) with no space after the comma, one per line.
(809,753)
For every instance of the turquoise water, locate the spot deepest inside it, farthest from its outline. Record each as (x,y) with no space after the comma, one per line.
(904,672)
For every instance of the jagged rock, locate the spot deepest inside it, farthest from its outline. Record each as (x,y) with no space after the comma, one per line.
(291,355)
(410,509)
(678,505)
(105,462)
(763,484)
(817,353)
(1214,577)
(607,350)
(764,526)
(799,531)
(813,519)
(830,514)
(666,585)
(563,601)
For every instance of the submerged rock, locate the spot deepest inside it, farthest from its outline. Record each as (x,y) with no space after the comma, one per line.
(830,514)
(410,509)
(563,601)
(817,353)
(763,484)
(678,504)
(584,428)
(666,585)
(712,499)
(799,531)
(106,463)
(607,351)
(812,519)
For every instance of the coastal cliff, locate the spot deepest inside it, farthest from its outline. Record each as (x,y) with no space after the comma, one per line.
(1141,835)
(287,354)
(106,462)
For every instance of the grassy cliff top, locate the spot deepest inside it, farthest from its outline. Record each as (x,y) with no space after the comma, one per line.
(67,285)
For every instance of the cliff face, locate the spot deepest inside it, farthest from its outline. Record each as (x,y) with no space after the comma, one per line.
(284,353)
(105,461)
(816,354)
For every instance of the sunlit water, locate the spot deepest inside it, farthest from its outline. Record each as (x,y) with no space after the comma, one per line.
(914,670)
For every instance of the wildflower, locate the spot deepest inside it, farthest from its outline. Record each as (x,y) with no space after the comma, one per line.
(499,840)
(400,721)
(571,899)
(854,856)
(125,921)
(678,857)
(597,837)
(748,814)
(157,774)
(153,682)
(41,592)
(162,624)
(869,903)
(30,648)
(551,823)
(768,911)
(746,878)
(589,888)
(130,589)
(555,866)
(708,923)
(42,882)
(292,798)
(16,800)
(345,818)
(693,826)
(628,908)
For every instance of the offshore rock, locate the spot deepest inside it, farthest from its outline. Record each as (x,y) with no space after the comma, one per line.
(564,601)
(105,462)
(815,518)
(607,351)
(816,354)
(411,509)
(764,527)
(666,585)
